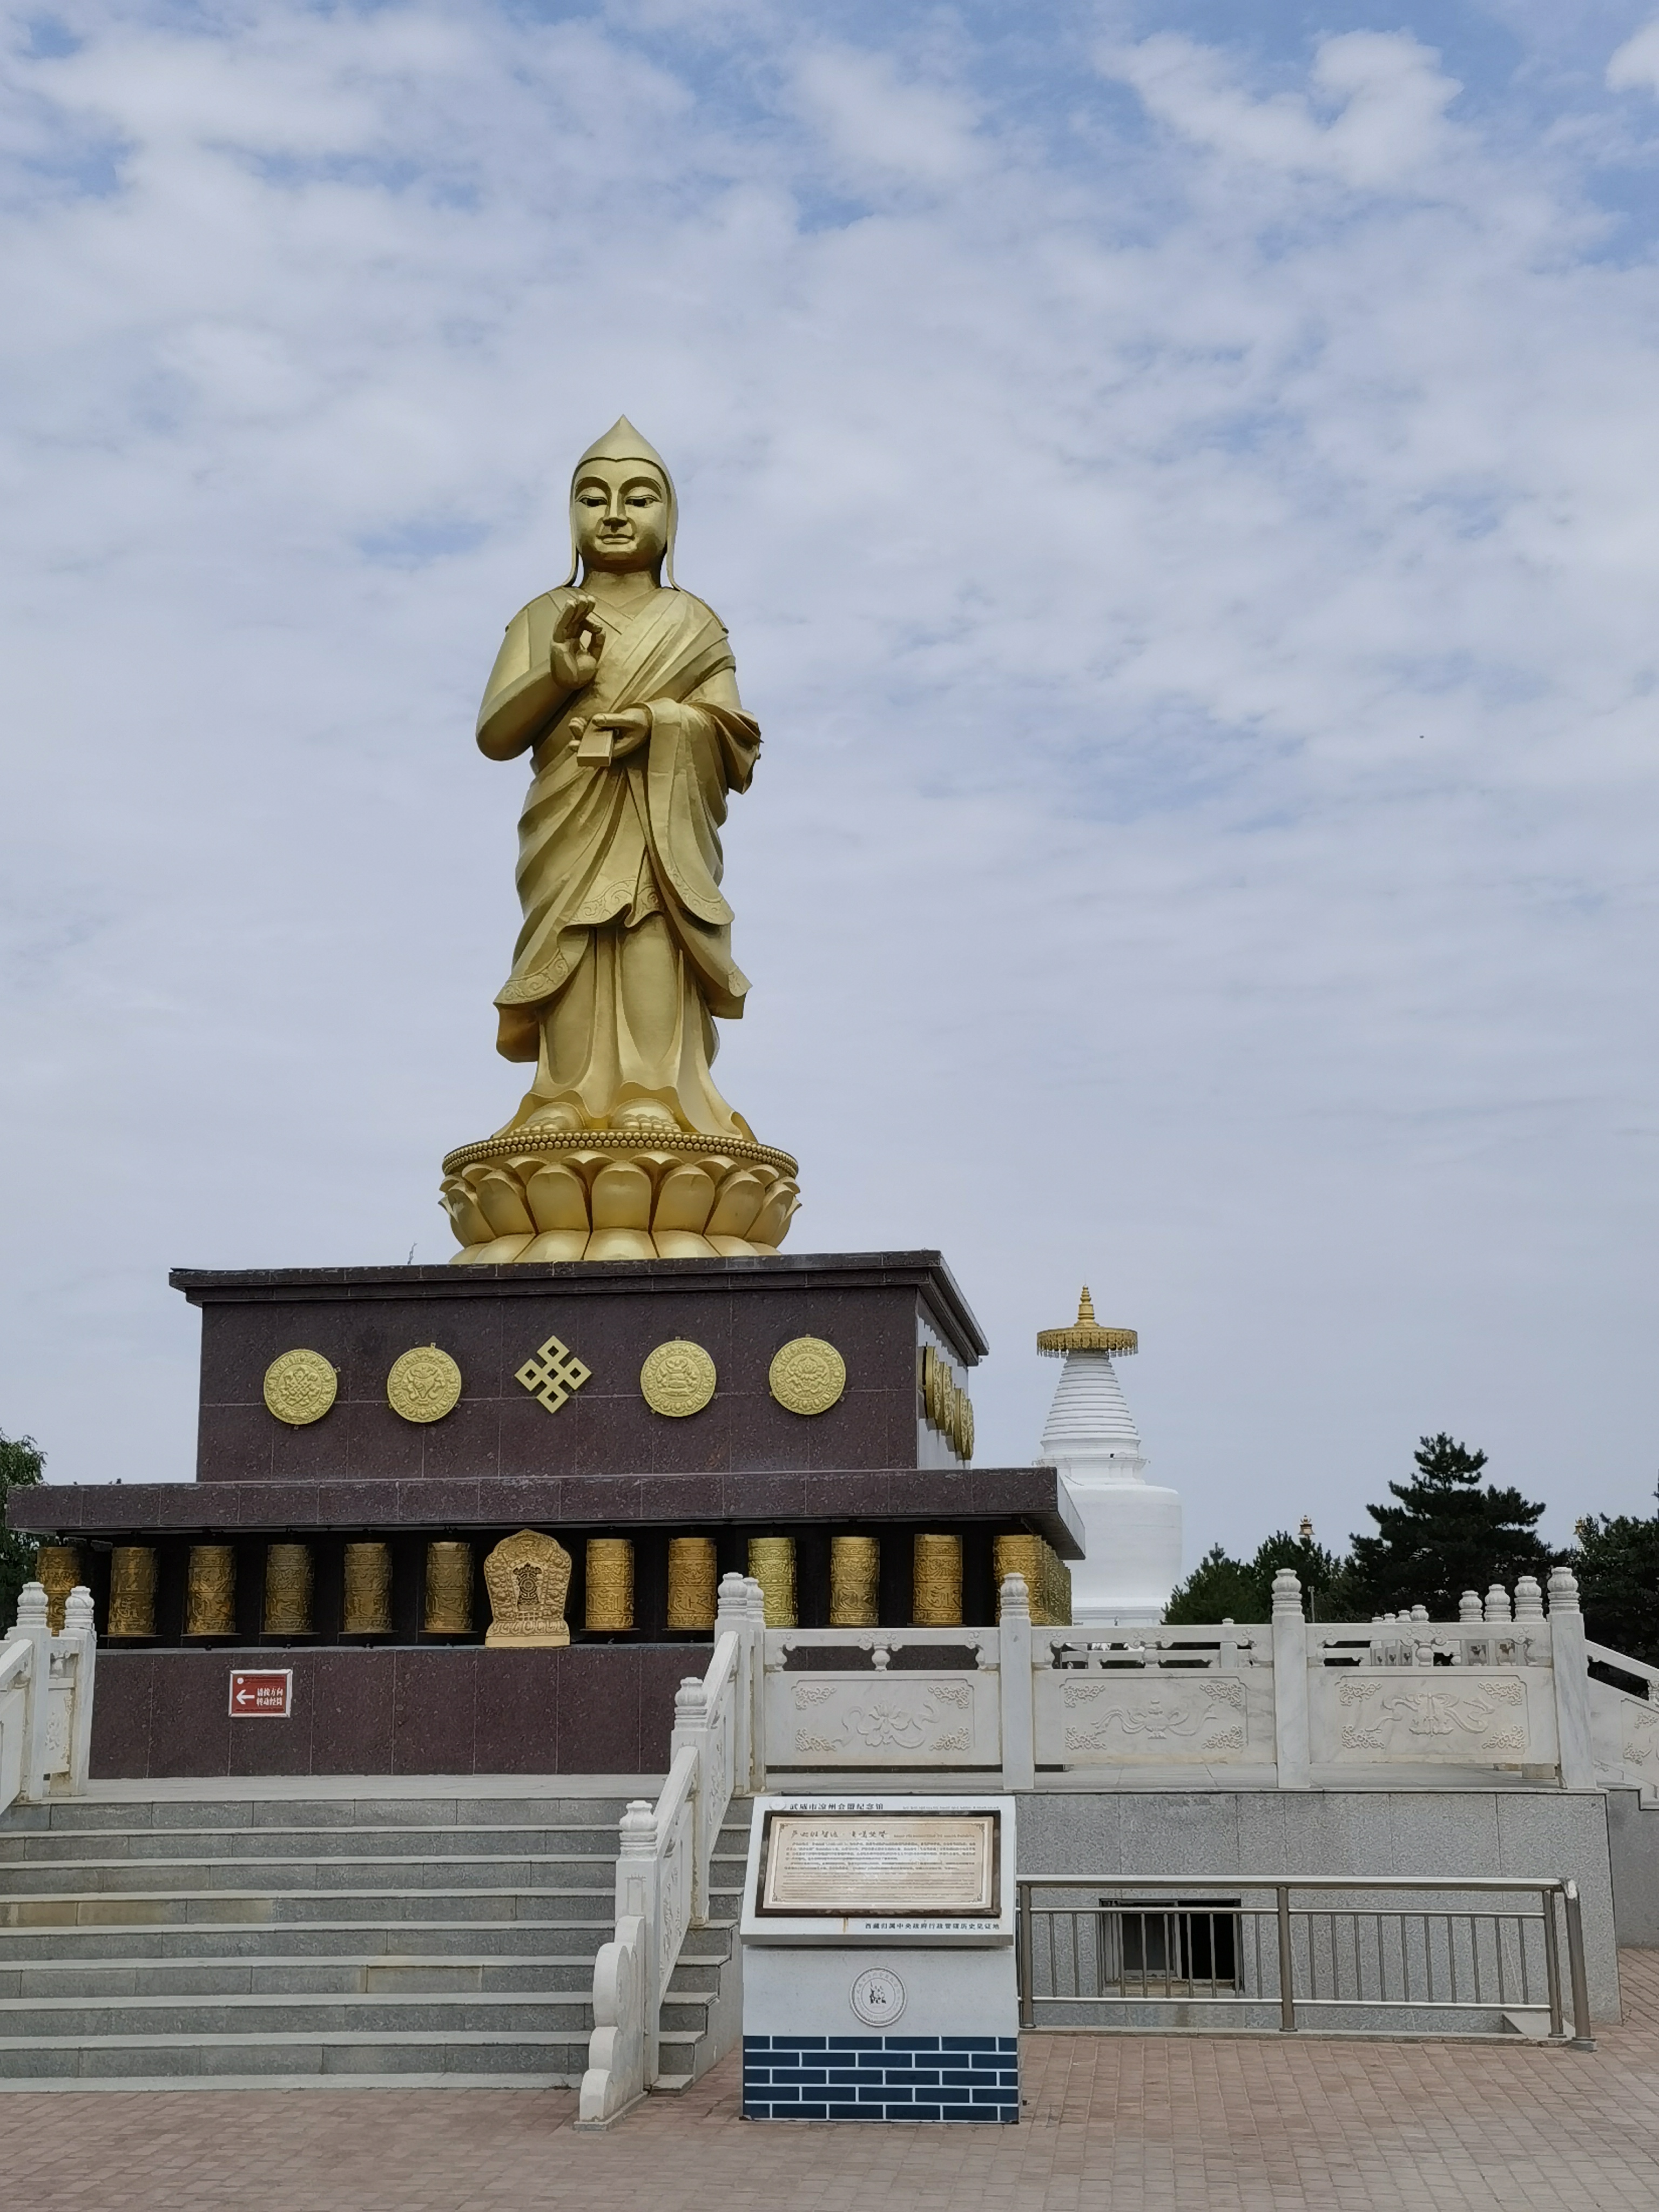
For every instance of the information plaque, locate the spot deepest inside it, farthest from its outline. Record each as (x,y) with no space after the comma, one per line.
(858,1863)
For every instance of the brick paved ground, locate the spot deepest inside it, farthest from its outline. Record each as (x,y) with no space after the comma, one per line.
(1119,2124)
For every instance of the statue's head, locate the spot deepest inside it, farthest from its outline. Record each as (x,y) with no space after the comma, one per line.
(622,508)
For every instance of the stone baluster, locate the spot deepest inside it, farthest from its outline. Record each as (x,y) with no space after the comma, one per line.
(33,1626)
(1529,1598)
(637,1877)
(1016,1688)
(1468,1607)
(1497,1602)
(80,1633)
(1570,1665)
(1292,1740)
(691,1730)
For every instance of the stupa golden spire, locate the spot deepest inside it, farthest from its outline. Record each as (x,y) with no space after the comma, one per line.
(1086,1334)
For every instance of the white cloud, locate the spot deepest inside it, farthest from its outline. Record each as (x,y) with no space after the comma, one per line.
(1635,66)
(1198,592)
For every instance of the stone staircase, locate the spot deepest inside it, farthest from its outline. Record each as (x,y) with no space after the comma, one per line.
(270,1942)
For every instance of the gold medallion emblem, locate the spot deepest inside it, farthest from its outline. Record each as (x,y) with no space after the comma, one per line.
(808,1375)
(300,1387)
(678,1378)
(424,1384)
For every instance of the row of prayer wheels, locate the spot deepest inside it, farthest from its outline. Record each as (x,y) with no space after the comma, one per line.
(288,1607)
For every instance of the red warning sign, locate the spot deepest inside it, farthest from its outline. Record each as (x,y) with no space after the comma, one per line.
(265,1695)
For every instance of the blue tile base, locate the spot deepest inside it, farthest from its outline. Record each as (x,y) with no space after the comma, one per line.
(881,2077)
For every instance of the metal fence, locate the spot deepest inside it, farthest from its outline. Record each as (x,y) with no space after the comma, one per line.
(1378,1956)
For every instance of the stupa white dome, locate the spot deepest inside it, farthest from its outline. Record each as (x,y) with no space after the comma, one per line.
(1132,1528)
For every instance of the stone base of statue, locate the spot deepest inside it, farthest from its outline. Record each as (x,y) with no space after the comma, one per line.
(552,1194)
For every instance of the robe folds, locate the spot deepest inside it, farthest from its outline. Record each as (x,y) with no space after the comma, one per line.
(626,947)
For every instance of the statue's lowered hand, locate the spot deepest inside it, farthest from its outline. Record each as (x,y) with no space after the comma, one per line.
(574,658)
(629,728)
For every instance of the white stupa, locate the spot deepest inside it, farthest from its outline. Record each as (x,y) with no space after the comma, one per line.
(1131,1528)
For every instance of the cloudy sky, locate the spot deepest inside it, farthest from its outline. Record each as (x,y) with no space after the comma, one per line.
(1182,482)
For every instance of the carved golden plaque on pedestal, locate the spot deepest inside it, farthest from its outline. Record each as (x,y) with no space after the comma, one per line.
(424,1384)
(678,1378)
(808,1375)
(211,1590)
(528,1577)
(693,1581)
(299,1388)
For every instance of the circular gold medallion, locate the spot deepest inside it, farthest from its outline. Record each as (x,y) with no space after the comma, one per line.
(678,1378)
(424,1384)
(807,1376)
(300,1387)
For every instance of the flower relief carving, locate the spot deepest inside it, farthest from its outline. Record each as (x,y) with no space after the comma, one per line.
(960,1741)
(1638,1749)
(1165,1714)
(813,1693)
(1441,1717)
(952,1694)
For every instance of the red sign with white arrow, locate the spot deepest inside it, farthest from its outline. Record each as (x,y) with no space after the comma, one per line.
(267,1694)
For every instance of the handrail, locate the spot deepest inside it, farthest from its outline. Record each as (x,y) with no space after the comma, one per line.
(1125,1894)
(663,1864)
(1625,1664)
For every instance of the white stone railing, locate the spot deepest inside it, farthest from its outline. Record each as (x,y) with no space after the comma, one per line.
(1503,1687)
(45,1700)
(1624,1723)
(666,1850)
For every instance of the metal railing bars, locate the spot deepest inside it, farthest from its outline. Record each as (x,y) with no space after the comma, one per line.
(1471,1955)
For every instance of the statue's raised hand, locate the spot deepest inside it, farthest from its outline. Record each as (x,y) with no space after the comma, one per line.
(573,659)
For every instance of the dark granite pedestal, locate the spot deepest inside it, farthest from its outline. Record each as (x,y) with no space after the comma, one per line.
(603,1463)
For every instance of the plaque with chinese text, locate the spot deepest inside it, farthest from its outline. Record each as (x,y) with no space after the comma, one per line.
(862,1863)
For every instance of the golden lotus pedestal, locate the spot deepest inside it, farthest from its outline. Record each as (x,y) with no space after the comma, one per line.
(617,1195)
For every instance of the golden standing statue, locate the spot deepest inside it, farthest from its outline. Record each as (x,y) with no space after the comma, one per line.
(623,689)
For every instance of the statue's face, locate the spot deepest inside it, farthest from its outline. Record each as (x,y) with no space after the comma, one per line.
(620,510)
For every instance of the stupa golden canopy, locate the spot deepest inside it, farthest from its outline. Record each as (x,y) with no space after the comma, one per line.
(1086,1334)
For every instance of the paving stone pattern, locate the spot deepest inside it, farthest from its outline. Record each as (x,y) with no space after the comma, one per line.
(1124,2124)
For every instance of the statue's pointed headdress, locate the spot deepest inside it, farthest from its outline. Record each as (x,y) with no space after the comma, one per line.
(622,442)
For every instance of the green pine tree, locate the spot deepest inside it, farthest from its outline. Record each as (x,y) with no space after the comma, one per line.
(1446,1535)
(22,1463)
(1221,1588)
(1616,1564)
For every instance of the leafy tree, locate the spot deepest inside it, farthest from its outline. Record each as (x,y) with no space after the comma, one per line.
(1220,1588)
(1446,1534)
(21,1463)
(1616,1564)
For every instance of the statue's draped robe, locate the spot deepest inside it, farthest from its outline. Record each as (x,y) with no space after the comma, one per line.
(626,947)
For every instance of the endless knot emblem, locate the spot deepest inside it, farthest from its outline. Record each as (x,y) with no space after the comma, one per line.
(299,1388)
(553,1374)
(424,1384)
(677,1379)
(808,1375)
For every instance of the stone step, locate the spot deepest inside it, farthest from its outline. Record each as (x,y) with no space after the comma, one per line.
(66,1816)
(39,2019)
(91,1846)
(544,1973)
(28,1947)
(514,2058)
(525,1871)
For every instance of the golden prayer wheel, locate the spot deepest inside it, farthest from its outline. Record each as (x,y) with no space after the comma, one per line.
(854,1582)
(448,1589)
(772,1564)
(368,1590)
(211,1590)
(289,1584)
(693,1581)
(57,1569)
(1022,1556)
(132,1590)
(609,1583)
(936,1582)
